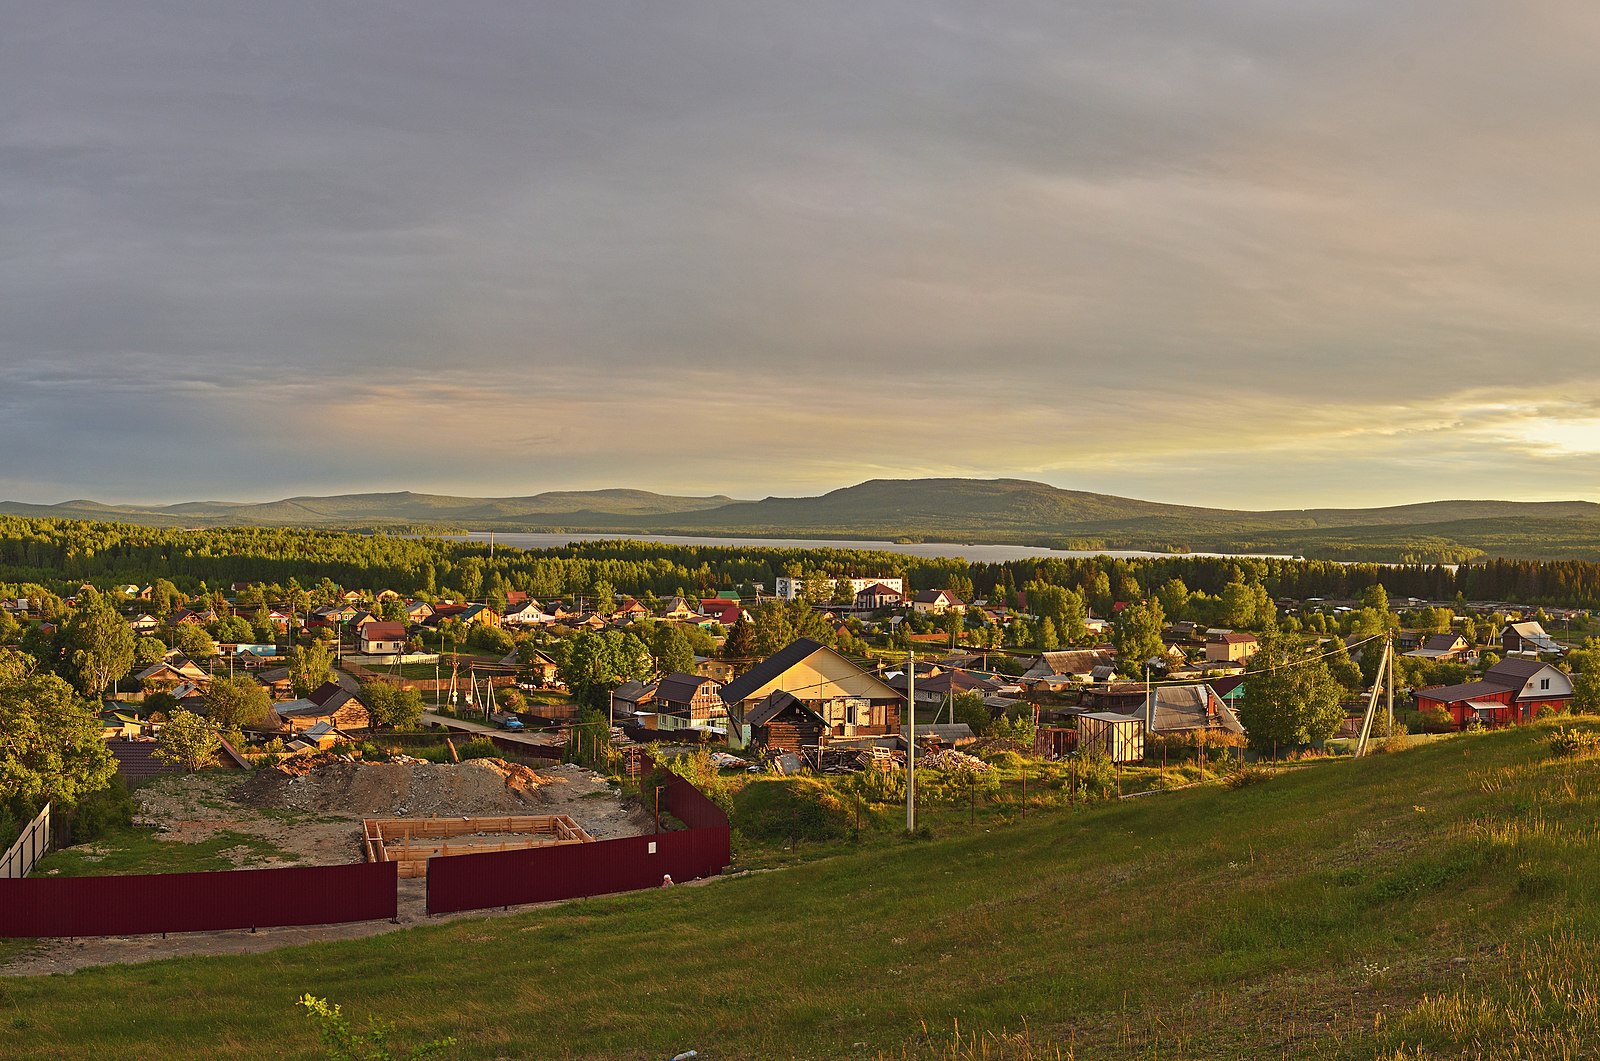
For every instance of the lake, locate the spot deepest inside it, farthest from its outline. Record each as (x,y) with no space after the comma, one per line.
(980,554)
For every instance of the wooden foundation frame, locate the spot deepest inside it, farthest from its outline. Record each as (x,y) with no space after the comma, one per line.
(412,841)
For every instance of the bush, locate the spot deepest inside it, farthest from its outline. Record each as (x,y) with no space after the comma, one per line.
(1437,720)
(477,748)
(795,809)
(1249,774)
(1097,777)
(102,812)
(1005,760)
(1568,741)
(878,784)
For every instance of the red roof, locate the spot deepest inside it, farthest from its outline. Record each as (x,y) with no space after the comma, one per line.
(383,632)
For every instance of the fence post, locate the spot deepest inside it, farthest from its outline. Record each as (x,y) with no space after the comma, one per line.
(1024,812)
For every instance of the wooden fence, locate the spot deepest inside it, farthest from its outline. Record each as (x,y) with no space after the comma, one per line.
(29,848)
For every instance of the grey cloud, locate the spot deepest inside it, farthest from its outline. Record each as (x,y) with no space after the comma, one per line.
(245,234)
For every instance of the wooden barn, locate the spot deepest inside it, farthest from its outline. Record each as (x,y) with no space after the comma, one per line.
(782,723)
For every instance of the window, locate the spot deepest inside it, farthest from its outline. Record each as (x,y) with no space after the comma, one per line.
(1545,684)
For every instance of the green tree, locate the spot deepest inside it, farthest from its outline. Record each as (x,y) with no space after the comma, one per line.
(1290,698)
(671,650)
(1174,598)
(237,702)
(98,644)
(188,740)
(1342,667)
(597,662)
(50,743)
(740,643)
(309,667)
(195,642)
(148,650)
(392,707)
(1137,636)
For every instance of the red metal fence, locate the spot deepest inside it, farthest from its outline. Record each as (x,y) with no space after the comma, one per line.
(198,902)
(570,871)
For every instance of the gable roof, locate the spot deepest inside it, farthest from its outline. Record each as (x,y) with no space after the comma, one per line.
(380,631)
(1175,708)
(774,705)
(1516,673)
(680,688)
(785,659)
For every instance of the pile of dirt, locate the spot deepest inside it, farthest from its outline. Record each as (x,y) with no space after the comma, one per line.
(336,785)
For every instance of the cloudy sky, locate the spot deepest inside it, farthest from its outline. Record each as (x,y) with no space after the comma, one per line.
(1254,253)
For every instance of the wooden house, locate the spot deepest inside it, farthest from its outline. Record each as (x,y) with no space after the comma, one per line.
(1229,646)
(852,702)
(1512,692)
(678,609)
(331,703)
(1528,637)
(780,723)
(691,697)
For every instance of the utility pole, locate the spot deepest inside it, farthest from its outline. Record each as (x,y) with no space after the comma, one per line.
(911,742)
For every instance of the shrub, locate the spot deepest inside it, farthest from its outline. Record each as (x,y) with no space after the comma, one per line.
(1569,741)
(799,808)
(1097,777)
(1437,720)
(1005,760)
(477,748)
(1249,774)
(103,812)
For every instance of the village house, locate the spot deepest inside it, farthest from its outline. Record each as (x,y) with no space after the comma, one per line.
(849,701)
(630,610)
(169,672)
(725,612)
(1528,637)
(1450,648)
(331,703)
(1230,646)
(632,698)
(872,598)
(418,611)
(526,613)
(691,698)
(711,667)
(937,602)
(1510,693)
(678,609)
(1076,663)
(144,623)
(381,639)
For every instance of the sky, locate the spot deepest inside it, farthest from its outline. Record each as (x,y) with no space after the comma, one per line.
(1245,253)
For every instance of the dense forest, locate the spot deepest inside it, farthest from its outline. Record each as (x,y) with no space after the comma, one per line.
(63,554)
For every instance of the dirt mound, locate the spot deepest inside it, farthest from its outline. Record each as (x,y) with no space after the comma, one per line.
(333,785)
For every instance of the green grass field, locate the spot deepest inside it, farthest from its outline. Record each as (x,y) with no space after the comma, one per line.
(136,850)
(1442,901)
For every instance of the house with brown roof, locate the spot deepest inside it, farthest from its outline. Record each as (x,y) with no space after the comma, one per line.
(850,701)
(1511,692)
(937,602)
(695,699)
(331,703)
(380,638)
(1230,646)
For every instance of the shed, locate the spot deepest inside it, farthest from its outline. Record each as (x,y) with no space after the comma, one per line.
(782,723)
(1118,737)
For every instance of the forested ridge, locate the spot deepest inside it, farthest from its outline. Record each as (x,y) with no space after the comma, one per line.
(62,554)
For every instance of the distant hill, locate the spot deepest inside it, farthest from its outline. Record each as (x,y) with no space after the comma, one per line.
(380,508)
(962,510)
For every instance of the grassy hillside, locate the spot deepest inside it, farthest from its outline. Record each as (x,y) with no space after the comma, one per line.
(1443,901)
